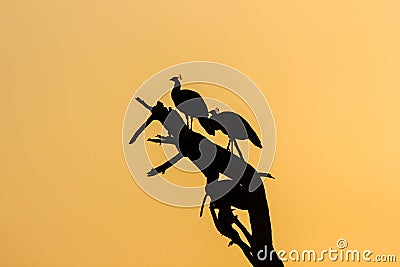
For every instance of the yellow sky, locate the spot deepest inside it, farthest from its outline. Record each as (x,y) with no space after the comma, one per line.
(329,70)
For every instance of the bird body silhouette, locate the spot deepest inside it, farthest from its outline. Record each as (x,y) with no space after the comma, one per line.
(235,127)
(192,105)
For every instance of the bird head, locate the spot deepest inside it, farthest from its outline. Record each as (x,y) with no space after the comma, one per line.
(214,111)
(176,79)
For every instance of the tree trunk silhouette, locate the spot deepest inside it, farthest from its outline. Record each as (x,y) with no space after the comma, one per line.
(214,160)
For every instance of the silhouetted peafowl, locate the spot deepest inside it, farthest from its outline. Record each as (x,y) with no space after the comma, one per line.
(235,127)
(192,105)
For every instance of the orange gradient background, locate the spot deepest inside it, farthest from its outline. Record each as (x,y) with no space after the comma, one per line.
(330,72)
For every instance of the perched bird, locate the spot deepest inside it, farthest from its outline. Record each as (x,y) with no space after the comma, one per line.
(192,105)
(235,127)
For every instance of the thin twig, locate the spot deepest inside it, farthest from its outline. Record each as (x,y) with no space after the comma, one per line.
(161,141)
(243,229)
(141,101)
(166,165)
(228,231)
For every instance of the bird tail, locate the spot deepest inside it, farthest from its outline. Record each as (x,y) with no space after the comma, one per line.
(251,134)
(254,139)
(208,124)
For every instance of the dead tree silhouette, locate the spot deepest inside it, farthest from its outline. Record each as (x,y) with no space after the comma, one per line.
(244,191)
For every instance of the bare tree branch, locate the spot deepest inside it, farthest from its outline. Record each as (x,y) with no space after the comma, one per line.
(141,101)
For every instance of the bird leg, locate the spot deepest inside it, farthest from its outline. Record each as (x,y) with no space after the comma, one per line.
(187,120)
(237,148)
(163,167)
(229,143)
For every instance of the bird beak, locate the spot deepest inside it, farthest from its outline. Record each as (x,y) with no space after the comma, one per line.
(172,79)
